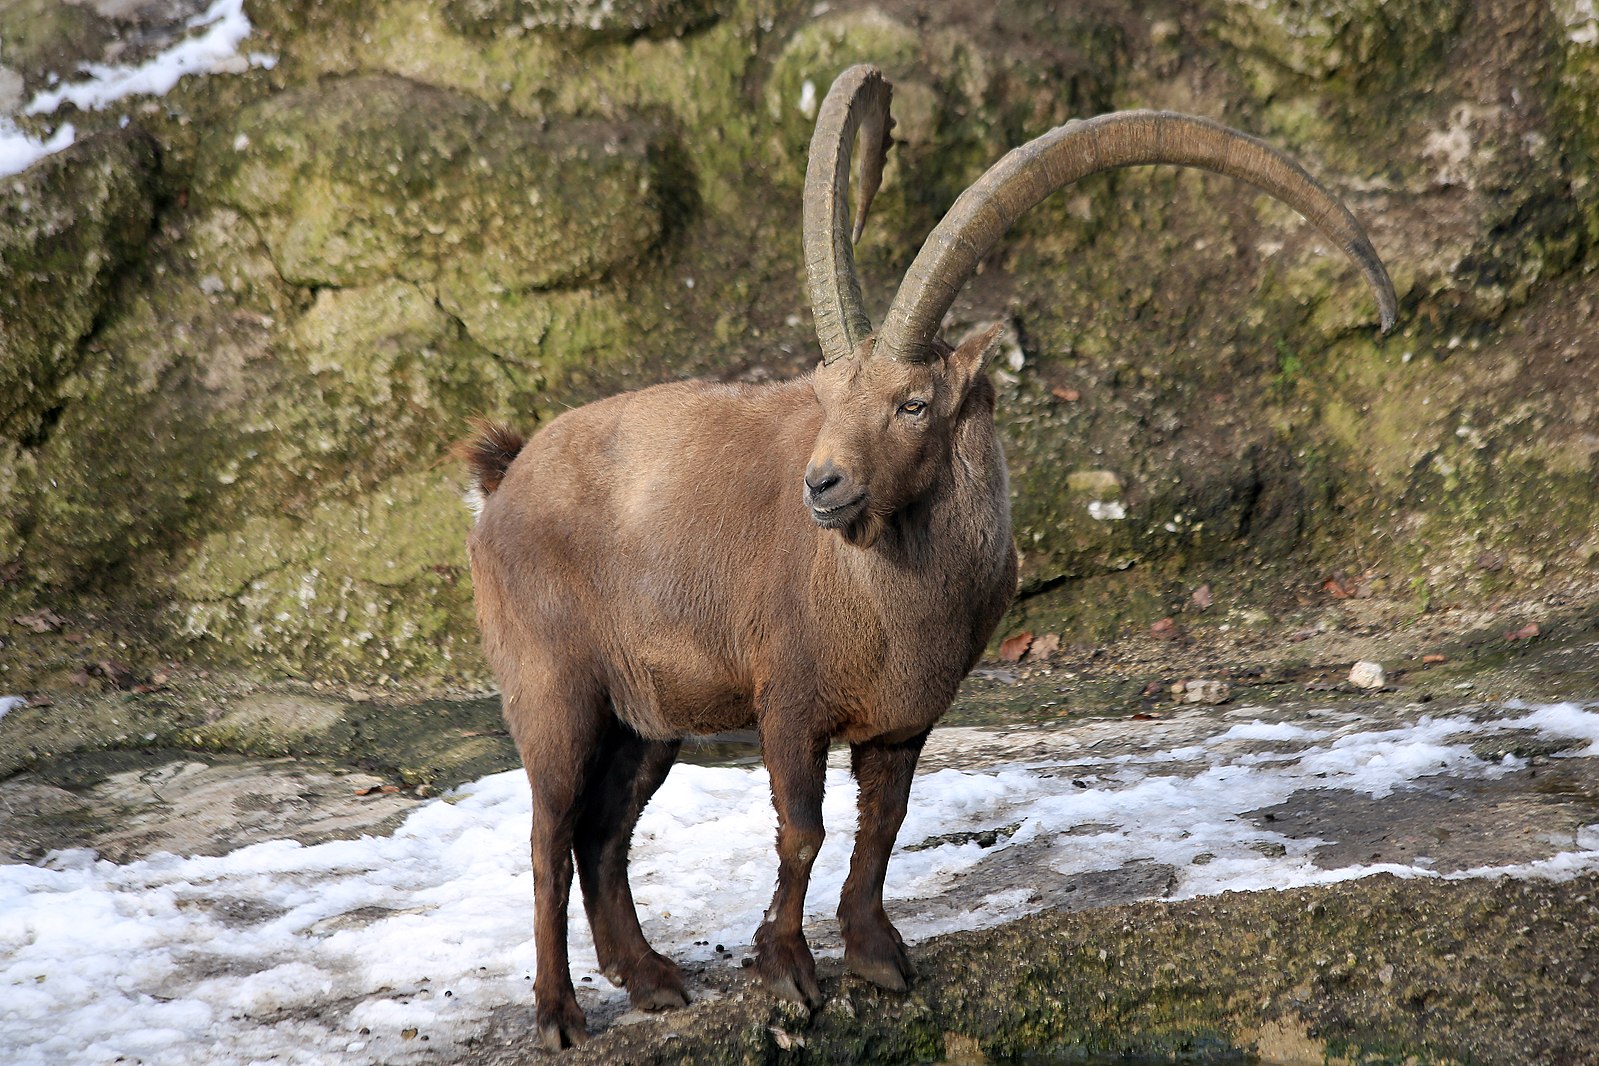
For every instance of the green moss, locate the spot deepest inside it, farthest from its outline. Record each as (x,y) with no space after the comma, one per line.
(374,586)
(162,401)
(68,227)
(376,177)
(45,37)
(1577,99)
(593,19)
(1360,46)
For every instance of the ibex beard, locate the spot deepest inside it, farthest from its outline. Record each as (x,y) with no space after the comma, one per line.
(822,559)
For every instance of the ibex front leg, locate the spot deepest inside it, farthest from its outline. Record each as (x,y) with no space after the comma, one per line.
(872,946)
(798,766)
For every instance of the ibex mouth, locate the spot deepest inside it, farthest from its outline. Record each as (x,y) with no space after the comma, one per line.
(841,515)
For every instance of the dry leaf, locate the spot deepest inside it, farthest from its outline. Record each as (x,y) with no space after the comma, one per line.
(1043,647)
(1067,395)
(1434,659)
(1202,597)
(1526,632)
(1165,629)
(41,621)
(116,673)
(1014,647)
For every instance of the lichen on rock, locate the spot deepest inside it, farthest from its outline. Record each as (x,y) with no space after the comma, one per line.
(68,226)
(601,19)
(1366,45)
(365,587)
(376,177)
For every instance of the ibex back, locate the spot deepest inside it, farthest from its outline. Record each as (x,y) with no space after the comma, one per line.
(823,558)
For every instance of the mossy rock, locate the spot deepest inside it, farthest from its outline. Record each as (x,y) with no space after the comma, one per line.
(68,225)
(1362,45)
(541,337)
(376,177)
(164,408)
(1577,100)
(367,587)
(601,19)
(379,375)
(48,37)
(1190,497)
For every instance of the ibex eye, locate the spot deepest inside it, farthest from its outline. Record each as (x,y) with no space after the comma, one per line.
(913,407)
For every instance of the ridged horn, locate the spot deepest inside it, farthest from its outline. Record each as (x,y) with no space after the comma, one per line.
(982,214)
(857,103)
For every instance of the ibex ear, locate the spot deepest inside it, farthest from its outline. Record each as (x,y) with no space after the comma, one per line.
(972,357)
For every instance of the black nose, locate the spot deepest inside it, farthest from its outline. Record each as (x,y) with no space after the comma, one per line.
(820,480)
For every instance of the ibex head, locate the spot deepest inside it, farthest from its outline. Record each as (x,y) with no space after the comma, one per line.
(892,397)
(887,430)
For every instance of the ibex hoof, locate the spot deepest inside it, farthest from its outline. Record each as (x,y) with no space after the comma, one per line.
(894,974)
(562,1026)
(786,965)
(874,951)
(656,983)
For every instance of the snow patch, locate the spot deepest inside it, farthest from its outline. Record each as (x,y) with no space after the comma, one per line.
(279,951)
(807,99)
(11,703)
(215,50)
(1103,511)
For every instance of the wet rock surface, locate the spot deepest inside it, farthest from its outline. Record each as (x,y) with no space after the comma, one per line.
(190,804)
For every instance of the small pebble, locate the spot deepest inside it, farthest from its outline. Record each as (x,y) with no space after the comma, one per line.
(1202,691)
(1368,675)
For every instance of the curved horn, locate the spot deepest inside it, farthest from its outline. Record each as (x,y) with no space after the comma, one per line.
(1079,148)
(857,102)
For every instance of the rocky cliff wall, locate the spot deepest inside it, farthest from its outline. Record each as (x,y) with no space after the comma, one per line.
(241,322)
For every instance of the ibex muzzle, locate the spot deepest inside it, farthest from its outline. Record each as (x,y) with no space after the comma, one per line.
(623,607)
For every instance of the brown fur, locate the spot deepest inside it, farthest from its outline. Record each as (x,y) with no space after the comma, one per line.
(812,558)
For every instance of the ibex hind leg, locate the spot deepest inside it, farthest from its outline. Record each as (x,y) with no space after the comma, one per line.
(626,773)
(557,729)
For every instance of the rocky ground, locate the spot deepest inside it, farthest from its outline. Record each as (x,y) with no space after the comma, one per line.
(1088,956)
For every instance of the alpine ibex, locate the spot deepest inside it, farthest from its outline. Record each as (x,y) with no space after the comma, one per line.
(824,558)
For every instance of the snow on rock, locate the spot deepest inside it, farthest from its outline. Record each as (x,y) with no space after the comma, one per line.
(331,953)
(222,27)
